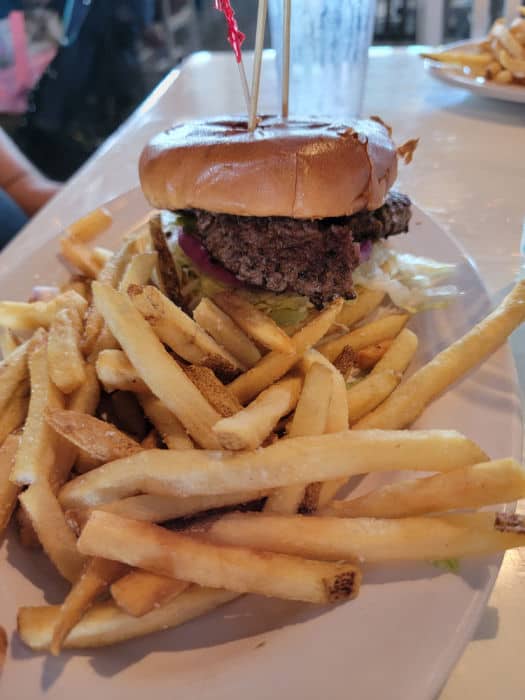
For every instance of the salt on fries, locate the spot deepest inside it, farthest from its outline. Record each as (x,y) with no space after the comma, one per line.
(500,57)
(250,417)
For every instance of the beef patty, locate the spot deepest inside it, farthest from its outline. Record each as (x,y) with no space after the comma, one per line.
(314,258)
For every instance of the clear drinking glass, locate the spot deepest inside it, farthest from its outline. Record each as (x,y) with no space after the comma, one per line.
(328,55)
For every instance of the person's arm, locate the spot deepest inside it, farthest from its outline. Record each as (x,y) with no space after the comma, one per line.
(21,180)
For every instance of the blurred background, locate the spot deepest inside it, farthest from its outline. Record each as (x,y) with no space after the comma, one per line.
(71,71)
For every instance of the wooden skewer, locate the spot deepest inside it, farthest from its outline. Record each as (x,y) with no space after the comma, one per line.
(262,11)
(287,17)
(245,88)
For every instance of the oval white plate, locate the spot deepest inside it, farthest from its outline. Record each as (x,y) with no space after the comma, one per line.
(399,639)
(452,75)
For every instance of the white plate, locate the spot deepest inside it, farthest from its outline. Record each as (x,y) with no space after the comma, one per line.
(453,75)
(399,639)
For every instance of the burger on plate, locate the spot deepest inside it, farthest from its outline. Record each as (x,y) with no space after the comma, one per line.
(293,215)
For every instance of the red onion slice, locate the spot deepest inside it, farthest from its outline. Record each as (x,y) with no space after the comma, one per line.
(198,254)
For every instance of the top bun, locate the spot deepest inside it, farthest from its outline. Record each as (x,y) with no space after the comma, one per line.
(297,168)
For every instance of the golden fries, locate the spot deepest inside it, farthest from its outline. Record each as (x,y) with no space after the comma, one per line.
(80,257)
(500,57)
(219,396)
(167,424)
(374,332)
(354,311)
(158,370)
(158,509)
(274,365)
(369,539)
(98,574)
(366,394)
(99,439)
(138,271)
(399,354)
(22,316)
(410,399)
(291,461)
(13,416)
(116,372)
(249,428)
(254,323)
(139,592)
(106,624)
(178,330)
(166,266)
(65,361)
(226,332)
(8,342)
(90,226)
(8,490)
(473,486)
(171,554)
(36,455)
(48,520)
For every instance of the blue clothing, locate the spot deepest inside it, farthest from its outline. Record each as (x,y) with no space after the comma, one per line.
(12,218)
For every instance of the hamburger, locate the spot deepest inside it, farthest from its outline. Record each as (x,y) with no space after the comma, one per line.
(289,214)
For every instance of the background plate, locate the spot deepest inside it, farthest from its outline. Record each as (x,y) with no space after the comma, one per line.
(404,632)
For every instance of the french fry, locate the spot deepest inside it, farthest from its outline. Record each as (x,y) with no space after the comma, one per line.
(383,329)
(399,354)
(111,274)
(515,65)
(86,398)
(160,372)
(14,371)
(368,393)
(13,416)
(138,271)
(30,316)
(504,77)
(368,357)
(346,361)
(292,461)
(460,58)
(96,577)
(79,284)
(477,485)
(161,551)
(140,592)
(411,398)
(167,424)
(90,226)
(218,395)
(509,42)
(36,455)
(8,490)
(126,413)
(101,440)
(26,532)
(254,323)
(8,342)
(101,256)
(152,440)
(248,429)
(355,310)
(274,365)
(116,372)
(166,266)
(106,624)
(65,361)
(49,523)
(226,332)
(178,330)
(80,257)
(369,539)
(309,419)
(158,509)
(336,421)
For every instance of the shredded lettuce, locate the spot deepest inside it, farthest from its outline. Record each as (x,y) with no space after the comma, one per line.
(412,283)
(450,565)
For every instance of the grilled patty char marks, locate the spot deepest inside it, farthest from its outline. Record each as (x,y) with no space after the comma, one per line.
(311,257)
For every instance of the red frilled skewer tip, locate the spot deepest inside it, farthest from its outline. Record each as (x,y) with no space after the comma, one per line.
(235,36)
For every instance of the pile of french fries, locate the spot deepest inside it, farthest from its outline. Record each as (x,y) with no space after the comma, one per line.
(167,463)
(499,58)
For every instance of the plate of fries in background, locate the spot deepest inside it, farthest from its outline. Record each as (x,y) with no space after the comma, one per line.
(493,67)
(140,445)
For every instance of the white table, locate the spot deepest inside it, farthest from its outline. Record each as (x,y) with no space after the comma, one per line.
(468,173)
